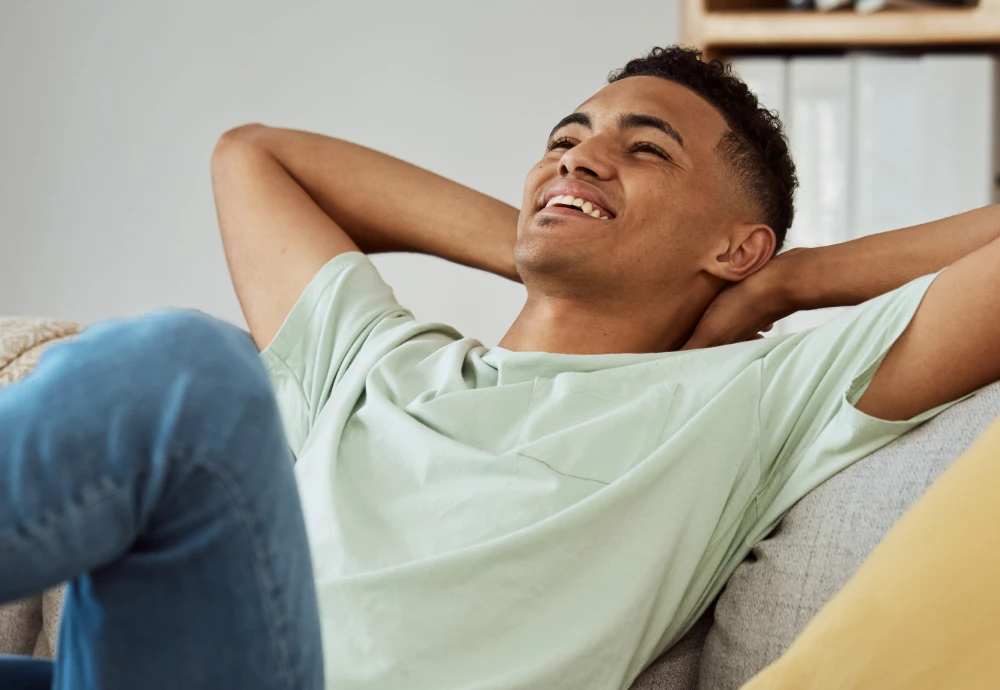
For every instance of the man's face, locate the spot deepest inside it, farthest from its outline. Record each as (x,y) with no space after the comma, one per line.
(641,152)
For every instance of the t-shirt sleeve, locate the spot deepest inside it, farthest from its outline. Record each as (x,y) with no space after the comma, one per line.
(810,428)
(345,313)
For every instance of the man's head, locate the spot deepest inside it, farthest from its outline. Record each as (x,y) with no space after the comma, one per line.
(693,175)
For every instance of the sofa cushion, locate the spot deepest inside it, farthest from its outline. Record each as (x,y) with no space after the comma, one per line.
(822,541)
(677,668)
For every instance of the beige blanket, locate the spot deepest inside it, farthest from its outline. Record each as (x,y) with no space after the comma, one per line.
(31,626)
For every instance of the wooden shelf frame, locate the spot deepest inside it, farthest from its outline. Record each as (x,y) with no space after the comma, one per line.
(721,32)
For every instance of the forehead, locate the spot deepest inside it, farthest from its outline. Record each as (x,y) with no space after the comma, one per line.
(696,120)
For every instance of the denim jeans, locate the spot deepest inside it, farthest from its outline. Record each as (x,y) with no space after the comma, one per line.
(145,462)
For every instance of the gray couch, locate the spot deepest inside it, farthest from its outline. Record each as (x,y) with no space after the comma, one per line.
(770,597)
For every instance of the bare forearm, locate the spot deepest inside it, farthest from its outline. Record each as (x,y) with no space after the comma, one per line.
(385,204)
(856,271)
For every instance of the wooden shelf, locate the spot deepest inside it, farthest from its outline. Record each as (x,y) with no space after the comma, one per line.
(723,31)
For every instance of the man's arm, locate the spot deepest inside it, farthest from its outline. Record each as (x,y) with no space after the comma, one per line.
(290,201)
(841,274)
(856,271)
(950,348)
(952,345)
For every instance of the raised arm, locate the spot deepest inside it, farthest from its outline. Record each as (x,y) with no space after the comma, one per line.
(951,346)
(857,271)
(841,274)
(290,201)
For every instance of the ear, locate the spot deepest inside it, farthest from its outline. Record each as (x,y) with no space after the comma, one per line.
(744,252)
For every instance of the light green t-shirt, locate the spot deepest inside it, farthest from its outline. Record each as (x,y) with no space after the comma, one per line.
(498,520)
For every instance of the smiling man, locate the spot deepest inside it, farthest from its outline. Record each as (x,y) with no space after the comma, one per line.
(550,513)
(556,511)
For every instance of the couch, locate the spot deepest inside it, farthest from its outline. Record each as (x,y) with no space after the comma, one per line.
(770,597)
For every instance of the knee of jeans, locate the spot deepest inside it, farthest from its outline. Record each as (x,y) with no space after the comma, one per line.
(216,358)
(215,369)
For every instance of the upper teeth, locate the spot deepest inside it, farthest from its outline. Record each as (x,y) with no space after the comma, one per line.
(582,204)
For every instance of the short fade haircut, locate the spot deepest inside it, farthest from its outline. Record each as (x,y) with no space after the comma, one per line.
(755,149)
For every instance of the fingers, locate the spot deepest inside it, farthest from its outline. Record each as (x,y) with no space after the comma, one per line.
(702,339)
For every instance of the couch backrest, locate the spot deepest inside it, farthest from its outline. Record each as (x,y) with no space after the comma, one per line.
(822,541)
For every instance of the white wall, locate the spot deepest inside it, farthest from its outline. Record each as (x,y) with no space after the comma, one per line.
(109,112)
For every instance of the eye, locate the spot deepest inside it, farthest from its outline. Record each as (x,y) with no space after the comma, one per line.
(649,147)
(562,143)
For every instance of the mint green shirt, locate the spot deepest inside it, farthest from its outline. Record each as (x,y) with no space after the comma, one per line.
(498,520)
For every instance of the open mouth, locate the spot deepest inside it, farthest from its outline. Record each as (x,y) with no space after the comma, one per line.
(578,205)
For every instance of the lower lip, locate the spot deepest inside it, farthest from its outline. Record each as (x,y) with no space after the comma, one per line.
(563,211)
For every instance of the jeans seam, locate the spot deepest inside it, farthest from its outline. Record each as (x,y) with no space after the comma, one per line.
(44,525)
(279,627)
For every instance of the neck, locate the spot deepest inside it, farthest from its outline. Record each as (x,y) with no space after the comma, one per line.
(566,326)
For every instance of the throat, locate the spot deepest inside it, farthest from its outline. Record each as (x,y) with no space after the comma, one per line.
(568,327)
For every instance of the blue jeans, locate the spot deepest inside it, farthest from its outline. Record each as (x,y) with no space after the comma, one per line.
(146,463)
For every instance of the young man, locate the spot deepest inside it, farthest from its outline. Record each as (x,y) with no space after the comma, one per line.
(551,513)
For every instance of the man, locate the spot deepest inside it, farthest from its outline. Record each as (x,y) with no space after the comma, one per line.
(550,513)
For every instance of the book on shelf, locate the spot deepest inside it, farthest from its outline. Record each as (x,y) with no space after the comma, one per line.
(926,144)
(766,76)
(888,154)
(960,120)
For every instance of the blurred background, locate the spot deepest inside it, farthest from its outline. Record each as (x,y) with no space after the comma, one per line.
(111,109)
(109,112)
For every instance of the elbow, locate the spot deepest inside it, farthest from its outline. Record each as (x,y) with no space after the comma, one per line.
(234,149)
(239,138)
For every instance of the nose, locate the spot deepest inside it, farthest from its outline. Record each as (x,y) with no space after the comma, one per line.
(587,159)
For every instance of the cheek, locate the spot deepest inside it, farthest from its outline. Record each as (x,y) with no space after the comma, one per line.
(533,184)
(536,177)
(668,225)
(657,207)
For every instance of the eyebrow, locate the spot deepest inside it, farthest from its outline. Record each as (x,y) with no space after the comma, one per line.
(625,121)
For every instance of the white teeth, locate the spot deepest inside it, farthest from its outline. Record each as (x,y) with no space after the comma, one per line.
(582,204)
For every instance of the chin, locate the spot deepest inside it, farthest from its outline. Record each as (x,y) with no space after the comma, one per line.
(557,268)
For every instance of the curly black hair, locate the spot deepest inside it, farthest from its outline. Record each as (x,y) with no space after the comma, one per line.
(755,148)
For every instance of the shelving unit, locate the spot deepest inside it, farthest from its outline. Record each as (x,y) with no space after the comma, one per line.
(727,27)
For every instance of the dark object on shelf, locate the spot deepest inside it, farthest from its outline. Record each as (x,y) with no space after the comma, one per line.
(801,4)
